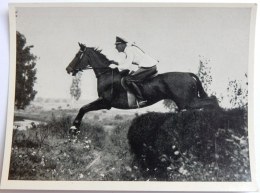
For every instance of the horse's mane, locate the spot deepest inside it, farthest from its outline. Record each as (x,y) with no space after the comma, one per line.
(101,56)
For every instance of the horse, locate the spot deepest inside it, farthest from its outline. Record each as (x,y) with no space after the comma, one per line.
(184,88)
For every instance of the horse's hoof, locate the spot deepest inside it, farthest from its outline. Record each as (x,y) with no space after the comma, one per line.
(74,130)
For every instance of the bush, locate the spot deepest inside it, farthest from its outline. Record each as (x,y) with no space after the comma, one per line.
(161,140)
(20,139)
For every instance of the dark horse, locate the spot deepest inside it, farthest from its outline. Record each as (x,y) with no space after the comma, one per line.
(185,89)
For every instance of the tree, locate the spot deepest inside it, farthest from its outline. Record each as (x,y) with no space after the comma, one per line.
(25,73)
(204,74)
(237,92)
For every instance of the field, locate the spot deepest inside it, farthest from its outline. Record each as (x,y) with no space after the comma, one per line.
(45,151)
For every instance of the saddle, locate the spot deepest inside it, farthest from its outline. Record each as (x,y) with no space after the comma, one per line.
(132,100)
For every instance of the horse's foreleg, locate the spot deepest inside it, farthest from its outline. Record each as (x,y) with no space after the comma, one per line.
(98,104)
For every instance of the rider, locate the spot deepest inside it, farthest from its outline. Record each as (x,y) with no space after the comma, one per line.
(135,57)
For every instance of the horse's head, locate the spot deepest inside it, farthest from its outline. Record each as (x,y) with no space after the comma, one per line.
(79,62)
(88,58)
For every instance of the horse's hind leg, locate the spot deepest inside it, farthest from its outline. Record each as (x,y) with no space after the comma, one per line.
(98,104)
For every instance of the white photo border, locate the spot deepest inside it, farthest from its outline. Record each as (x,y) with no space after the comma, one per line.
(126,186)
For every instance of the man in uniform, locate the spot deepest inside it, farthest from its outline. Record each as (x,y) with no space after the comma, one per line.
(135,56)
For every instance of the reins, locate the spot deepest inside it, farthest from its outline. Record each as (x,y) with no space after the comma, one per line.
(91,68)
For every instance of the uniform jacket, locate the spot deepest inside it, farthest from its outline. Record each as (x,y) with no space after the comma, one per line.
(135,56)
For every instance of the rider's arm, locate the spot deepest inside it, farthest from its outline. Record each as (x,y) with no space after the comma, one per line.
(127,63)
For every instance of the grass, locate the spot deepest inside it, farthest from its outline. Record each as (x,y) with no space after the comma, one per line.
(102,150)
(47,152)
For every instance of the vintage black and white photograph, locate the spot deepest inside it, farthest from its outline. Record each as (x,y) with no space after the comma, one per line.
(130,92)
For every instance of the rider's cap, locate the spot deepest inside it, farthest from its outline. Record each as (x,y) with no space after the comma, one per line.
(120,40)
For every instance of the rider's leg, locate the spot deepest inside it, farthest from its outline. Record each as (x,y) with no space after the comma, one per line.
(136,90)
(139,76)
(131,85)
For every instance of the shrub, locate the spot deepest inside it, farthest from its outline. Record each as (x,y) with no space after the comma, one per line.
(163,140)
(20,139)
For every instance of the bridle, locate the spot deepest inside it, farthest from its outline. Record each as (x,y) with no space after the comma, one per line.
(89,67)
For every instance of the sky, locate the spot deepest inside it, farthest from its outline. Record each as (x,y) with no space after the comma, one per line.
(174,36)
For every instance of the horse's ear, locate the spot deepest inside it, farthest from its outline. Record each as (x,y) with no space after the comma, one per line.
(82,46)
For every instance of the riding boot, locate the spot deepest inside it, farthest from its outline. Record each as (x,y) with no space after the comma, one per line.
(136,90)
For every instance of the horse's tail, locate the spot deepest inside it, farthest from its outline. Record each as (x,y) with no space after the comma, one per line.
(201,90)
